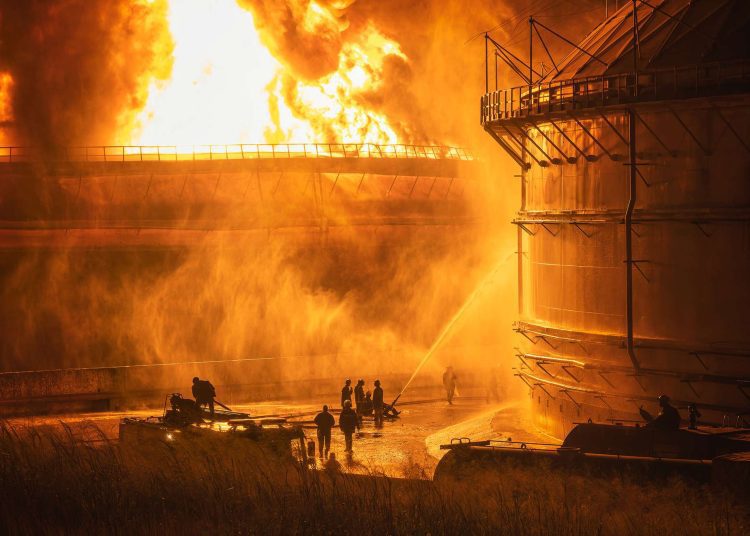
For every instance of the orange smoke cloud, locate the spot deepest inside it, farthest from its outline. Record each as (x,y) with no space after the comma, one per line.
(80,67)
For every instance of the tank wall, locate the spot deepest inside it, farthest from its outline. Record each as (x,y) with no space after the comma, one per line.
(691,244)
(690,283)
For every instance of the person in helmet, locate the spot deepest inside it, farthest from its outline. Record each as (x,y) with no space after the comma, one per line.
(449,383)
(359,396)
(695,414)
(204,393)
(324,421)
(377,403)
(348,422)
(346,392)
(668,418)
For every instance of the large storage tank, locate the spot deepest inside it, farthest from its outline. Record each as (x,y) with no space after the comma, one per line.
(634,226)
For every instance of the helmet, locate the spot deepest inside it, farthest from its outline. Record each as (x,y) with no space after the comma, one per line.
(196,379)
(347,403)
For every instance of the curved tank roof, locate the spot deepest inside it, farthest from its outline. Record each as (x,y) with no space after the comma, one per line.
(671,33)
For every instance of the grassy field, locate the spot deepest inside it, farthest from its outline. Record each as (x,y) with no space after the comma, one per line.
(51,483)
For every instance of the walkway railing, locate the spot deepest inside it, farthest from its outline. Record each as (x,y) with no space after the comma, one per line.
(591,92)
(172,153)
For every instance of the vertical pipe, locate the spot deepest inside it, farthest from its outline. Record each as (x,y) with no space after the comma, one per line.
(495,55)
(531,61)
(520,263)
(633,193)
(633,197)
(635,49)
(521,232)
(486,67)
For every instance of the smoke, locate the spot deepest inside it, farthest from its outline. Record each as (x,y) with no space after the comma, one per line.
(80,68)
(305,35)
(237,295)
(81,71)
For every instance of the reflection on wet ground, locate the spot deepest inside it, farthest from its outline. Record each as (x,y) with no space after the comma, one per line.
(407,446)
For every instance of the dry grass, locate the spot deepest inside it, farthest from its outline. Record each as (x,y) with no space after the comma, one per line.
(51,483)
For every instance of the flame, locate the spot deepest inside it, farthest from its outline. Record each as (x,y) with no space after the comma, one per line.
(6,108)
(227,87)
(333,104)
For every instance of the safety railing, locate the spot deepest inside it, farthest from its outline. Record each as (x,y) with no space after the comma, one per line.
(591,92)
(173,153)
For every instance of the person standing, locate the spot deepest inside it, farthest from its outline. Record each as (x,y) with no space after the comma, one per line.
(377,403)
(449,382)
(492,392)
(359,395)
(694,416)
(668,418)
(348,423)
(346,392)
(324,421)
(204,393)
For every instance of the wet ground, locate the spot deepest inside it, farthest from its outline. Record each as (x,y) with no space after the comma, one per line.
(406,446)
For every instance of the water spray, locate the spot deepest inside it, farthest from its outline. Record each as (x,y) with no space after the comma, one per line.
(451,323)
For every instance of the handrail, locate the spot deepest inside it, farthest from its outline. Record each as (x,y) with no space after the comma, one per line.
(245,151)
(595,91)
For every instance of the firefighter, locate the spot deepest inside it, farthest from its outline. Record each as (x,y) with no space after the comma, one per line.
(349,423)
(324,421)
(377,403)
(367,404)
(346,392)
(694,416)
(449,382)
(492,387)
(359,396)
(204,393)
(668,418)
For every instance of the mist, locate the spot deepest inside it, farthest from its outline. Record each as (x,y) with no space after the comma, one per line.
(374,298)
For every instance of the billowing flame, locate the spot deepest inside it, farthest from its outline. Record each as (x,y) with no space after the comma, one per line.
(333,105)
(6,109)
(227,87)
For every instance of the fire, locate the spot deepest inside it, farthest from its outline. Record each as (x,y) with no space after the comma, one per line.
(6,109)
(216,93)
(333,105)
(227,86)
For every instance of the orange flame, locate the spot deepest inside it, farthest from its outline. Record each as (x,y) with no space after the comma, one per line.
(227,87)
(6,109)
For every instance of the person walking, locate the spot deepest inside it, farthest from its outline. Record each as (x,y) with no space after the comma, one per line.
(348,423)
(324,421)
(346,392)
(449,382)
(377,403)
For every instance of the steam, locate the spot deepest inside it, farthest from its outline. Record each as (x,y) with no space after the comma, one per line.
(363,71)
(236,296)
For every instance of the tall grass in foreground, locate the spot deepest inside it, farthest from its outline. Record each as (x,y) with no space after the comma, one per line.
(51,483)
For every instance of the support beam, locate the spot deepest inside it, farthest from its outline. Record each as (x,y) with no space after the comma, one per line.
(508,149)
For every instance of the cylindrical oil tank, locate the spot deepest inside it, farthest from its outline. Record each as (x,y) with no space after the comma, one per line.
(634,227)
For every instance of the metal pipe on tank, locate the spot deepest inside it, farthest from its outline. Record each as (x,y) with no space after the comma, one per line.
(632,198)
